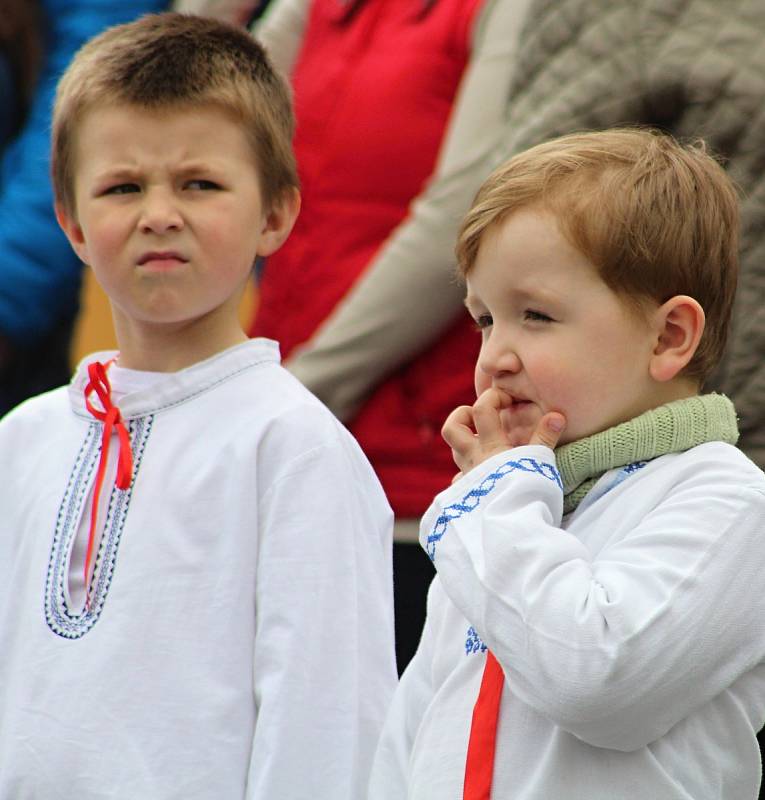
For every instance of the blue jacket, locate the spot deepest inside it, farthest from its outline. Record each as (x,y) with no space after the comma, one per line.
(39,273)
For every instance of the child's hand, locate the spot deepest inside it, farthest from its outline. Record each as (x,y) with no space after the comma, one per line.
(549,429)
(475,433)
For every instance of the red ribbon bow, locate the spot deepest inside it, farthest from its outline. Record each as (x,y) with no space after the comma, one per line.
(112,419)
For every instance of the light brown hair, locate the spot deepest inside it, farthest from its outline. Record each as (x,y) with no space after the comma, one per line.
(173,61)
(657,218)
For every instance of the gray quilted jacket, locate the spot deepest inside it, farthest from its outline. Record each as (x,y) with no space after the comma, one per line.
(692,67)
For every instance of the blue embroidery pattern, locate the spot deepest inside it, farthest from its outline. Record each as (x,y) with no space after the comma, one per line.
(630,468)
(60,618)
(473,643)
(473,498)
(596,493)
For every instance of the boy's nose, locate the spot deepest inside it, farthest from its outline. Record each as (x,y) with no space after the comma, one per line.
(160,213)
(497,356)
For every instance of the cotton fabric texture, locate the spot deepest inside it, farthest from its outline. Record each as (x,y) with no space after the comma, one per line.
(239,642)
(631,633)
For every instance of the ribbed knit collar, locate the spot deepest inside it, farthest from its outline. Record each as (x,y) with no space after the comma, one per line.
(671,428)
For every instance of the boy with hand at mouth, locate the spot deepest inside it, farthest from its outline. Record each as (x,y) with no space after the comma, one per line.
(596,628)
(195,568)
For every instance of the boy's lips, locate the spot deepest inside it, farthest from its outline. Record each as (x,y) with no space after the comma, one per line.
(516,404)
(513,399)
(159,256)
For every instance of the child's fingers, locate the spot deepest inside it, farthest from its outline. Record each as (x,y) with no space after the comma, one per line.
(549,430)
(488,424)
(458,429)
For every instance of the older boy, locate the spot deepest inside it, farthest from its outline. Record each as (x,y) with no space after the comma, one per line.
(195,575)
(597,626)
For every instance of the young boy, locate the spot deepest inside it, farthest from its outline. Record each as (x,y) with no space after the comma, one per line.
(195,578)
(597,626)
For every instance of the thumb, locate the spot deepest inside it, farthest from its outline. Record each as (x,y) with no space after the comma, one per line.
(549,430)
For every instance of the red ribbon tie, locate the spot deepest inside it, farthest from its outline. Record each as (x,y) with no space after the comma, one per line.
(112,419)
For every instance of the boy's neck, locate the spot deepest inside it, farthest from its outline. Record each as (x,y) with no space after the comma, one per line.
(169,348)
(679,388)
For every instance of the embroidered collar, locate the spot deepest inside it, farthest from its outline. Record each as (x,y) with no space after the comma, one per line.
(180,386)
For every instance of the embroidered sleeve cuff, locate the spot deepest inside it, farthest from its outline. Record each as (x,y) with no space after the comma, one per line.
(529,472)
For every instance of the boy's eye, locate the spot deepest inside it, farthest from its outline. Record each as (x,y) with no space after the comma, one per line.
(202,184)
(484,321)
(122,188)
(536,316)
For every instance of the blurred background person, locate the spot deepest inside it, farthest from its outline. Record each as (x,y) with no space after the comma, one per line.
(39,274)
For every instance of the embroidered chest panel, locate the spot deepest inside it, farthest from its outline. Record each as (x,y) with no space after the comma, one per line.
(60,617)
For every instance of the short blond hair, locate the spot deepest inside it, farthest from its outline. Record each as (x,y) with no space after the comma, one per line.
(657,218)
(174,61)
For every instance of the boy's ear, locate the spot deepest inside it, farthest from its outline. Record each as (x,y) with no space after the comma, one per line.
(278,222)
(73,231)
(680,323)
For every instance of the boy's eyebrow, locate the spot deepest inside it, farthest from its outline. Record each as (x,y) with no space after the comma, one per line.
(125,172)
(114,173)
(196,166)
(524,295)
(182,166)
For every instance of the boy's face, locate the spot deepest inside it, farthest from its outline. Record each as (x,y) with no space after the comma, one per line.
(169,215)
(555,337)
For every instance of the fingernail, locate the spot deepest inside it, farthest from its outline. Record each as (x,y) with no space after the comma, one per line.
(555,424)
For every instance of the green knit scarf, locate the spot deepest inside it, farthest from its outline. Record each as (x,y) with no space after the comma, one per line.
(671,428)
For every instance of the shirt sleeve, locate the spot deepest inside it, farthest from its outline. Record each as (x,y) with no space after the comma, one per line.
(324,661)
(383,322)
(39,273)
(617,647)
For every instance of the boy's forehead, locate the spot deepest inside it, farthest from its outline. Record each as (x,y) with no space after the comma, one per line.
(132,114)
(183,132)
(526,244)
(527,257)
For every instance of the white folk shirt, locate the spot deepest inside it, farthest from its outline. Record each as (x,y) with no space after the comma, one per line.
(631,634)
(239,639)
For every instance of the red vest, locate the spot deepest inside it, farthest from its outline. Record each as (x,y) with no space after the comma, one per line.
(373,90)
